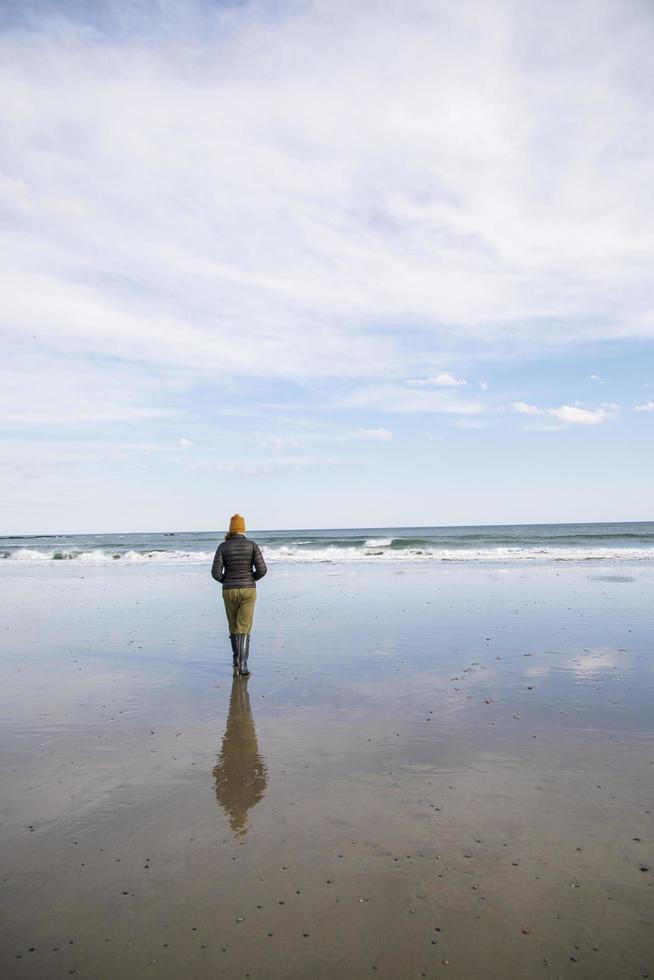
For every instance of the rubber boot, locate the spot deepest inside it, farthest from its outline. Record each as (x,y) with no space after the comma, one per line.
(239,645)
(232,640)
(245,650)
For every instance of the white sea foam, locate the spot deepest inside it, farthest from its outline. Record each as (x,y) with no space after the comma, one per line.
(101,556)
(30,554)
(373,553)
(168,557)
(496,555)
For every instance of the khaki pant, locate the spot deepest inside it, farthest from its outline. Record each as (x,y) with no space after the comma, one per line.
(239,606)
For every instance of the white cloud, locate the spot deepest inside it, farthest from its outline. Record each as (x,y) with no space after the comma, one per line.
(35,392)
(303,180)
(573,414)
(582,416)
(282,443)
(408,400)
(444,380)
(184,442)
(377,435)
(262,467)
(43,459)
(526,409)
(483,385)
(647,406)
(597,379)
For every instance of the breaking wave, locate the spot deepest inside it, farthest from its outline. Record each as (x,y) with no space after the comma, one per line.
(377,551)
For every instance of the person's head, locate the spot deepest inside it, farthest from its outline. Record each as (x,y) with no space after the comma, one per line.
(236,525)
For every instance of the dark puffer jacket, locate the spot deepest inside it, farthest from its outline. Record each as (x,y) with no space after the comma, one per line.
(238,563)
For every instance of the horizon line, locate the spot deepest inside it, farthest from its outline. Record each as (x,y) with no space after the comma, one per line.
(355,527)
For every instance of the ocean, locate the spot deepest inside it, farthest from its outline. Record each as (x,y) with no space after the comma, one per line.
(533,543)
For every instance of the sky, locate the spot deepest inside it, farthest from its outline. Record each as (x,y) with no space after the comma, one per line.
(327,264)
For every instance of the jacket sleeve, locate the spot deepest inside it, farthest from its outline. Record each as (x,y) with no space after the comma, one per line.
(260,567)
(218,567)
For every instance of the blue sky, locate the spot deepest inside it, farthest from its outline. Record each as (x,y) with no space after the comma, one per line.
(326,264)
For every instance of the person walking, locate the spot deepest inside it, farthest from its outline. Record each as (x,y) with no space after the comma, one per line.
(238,564)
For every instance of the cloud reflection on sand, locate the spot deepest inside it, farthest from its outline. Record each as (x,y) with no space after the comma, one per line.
(596,661)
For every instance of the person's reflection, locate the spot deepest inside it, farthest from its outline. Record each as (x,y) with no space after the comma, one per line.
(240,772)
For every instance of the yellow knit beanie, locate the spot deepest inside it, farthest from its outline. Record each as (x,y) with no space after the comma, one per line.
(237,524)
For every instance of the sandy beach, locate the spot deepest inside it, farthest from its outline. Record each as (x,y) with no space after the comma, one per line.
(432,772)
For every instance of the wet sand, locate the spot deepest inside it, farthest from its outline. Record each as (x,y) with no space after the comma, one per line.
(432,772)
